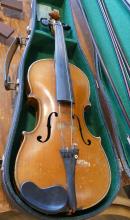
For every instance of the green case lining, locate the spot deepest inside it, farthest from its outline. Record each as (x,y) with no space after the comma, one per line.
(94,118)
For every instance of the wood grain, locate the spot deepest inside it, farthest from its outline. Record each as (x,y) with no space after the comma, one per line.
(17,5)
(7,97)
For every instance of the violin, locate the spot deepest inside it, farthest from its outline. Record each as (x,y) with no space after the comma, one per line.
(60,166)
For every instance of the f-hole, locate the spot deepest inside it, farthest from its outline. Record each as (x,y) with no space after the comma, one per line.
(88,141)
(39,138)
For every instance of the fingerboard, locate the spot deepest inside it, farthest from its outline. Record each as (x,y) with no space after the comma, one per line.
(64,89)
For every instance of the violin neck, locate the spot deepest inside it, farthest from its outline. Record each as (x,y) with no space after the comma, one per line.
(64,90)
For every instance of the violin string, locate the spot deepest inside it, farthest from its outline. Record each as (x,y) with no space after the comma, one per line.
(67,67)
(61,130)
(71,112)
(72,124)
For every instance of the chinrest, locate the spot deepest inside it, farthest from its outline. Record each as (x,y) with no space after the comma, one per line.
(51,200)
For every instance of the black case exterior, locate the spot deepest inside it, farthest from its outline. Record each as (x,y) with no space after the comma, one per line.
(10,148)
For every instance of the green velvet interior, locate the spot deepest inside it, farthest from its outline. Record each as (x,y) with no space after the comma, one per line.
(120,17)
(42,46)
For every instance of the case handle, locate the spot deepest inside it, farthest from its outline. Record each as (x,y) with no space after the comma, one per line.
(18,41)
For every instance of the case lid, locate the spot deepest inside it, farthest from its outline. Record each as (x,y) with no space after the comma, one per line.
(109,64)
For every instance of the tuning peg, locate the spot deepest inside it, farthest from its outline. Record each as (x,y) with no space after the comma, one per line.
(45,21)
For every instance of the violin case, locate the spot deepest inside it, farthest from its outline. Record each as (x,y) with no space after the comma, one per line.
(40,45)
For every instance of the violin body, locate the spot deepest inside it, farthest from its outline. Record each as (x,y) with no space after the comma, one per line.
(40,161)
